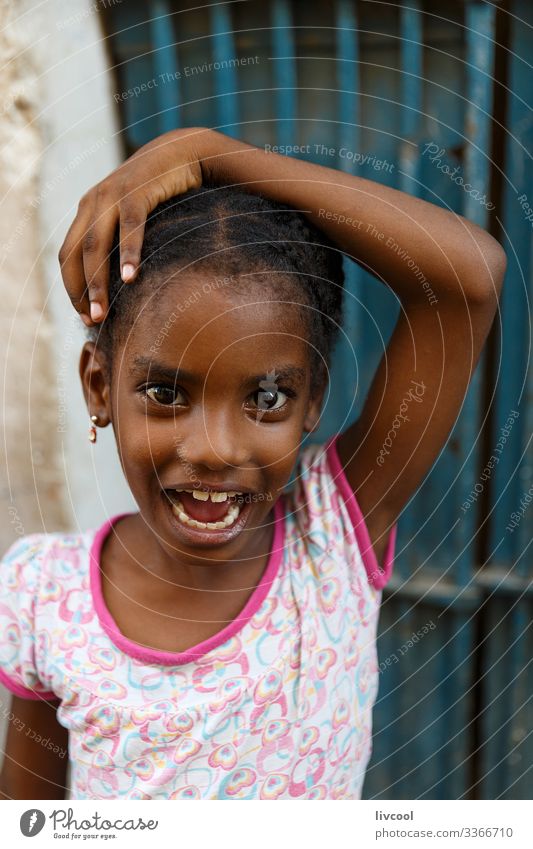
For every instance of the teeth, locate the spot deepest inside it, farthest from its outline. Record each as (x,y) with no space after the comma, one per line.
(200,495)
(229,518)
(203,495)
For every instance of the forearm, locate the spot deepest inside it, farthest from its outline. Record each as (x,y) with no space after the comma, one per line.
(394,235)
(409,244)
(31,770)
(18,782)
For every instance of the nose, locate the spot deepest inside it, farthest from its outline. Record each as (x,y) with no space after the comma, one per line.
(215,443)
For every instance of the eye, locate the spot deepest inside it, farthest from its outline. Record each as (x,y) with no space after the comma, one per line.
(166,396)
(270,399)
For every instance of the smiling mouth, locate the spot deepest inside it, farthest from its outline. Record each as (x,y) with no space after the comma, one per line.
(206,510)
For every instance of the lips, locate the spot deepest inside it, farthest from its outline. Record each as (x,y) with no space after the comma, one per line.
(207,534)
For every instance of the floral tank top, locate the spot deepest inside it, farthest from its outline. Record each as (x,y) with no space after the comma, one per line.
(277,705)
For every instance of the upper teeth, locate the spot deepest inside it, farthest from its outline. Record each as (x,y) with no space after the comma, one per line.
(202,495)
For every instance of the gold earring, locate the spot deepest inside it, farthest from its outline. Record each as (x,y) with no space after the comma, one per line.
(92,429)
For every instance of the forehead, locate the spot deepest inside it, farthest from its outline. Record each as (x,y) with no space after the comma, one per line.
(208,320)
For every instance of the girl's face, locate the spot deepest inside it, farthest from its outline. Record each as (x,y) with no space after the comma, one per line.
(209,396)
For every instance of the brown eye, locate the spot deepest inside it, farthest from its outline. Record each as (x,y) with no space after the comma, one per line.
(269,399)
(164,395)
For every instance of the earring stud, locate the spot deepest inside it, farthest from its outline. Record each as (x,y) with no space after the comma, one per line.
(92,429)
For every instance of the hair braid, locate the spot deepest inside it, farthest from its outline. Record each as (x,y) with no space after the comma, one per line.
(227,230)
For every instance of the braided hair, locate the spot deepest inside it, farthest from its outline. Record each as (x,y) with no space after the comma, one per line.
(226,229)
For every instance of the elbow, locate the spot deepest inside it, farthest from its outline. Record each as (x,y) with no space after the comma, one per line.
(497,265)
(486,283)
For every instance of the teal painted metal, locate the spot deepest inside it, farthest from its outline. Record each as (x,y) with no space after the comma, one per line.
(391,80)
(165,61)
(411,54)
(506,754)
(346,23)
(480,26)
(346,362)
(284,72)
(225,79)
(512,425)
(411,116)
(133,67)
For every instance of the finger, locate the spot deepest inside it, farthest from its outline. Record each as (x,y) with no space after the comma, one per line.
(96,245)
(71,264)
(133,213)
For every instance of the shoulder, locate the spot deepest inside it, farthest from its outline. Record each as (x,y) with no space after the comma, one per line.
(22,595)
(31,557)
(315,484)
(312,498)
(21,563)
(37,574)
(325,509)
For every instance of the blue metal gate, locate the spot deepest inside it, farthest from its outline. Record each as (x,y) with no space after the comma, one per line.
(414,99)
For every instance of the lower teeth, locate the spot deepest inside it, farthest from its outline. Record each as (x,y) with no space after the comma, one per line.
(228,520)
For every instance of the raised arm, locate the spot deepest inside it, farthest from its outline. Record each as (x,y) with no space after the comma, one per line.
(359,215)
(446,272)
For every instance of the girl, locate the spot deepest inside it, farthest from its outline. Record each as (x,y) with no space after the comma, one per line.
(221,642)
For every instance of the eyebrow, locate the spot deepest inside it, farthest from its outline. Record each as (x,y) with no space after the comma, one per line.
(285,372)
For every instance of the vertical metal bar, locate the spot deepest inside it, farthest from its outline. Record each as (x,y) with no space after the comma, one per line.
(525,528)
(348,79)
(516,705)
(507,690)
(284,72)
(134,109)
(524,533)
(480,22)
(225,78)
(412,61)
(515,382)
(127,32)
(480,27)
(514,473)
(340,407)
(508,682)
(165,60)
(411,98)
(460,691)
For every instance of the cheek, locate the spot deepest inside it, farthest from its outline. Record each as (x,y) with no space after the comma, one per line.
(278,450)
(144,445)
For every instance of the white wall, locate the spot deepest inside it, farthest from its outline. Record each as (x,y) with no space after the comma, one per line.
(62,138)
(81,145)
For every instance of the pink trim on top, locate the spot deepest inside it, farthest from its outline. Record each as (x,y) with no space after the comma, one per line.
(377,577)
(23,692)
(169,658)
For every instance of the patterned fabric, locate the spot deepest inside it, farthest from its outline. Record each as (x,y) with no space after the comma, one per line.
(277,705)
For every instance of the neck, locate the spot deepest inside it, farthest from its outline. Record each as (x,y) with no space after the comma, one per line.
(240,569)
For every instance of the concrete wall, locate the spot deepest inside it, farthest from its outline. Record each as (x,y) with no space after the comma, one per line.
(58,136)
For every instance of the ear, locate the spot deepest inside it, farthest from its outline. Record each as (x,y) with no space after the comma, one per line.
(95,383)
(314,409)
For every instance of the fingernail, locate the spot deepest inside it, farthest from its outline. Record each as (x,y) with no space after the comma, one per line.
(128,270)
(96,311)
